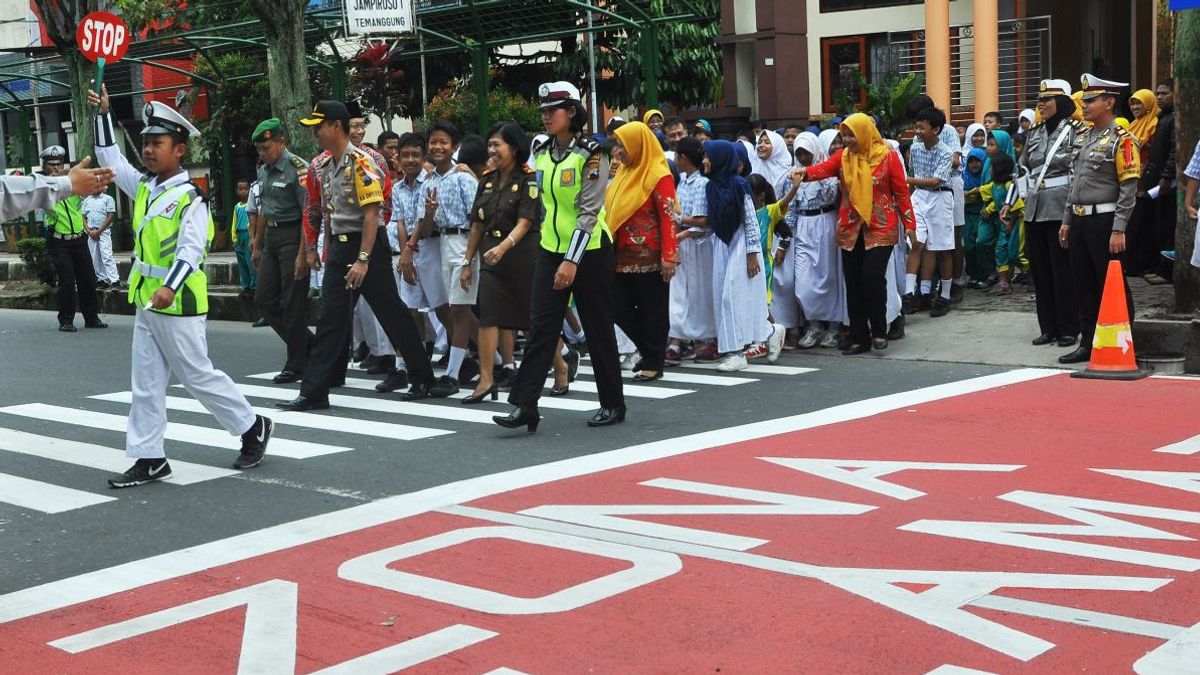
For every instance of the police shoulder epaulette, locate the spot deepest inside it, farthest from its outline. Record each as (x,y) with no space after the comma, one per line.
(488,172)
(1122,133)
(364,163)
(587,144)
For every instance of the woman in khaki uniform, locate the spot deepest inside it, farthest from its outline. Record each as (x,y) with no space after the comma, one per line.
(506,206)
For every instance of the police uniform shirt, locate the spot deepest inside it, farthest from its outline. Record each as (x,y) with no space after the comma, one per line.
(499,205)
(1104,169)
(283,194)
(346,187)
(591,197)
(193,224)
(21,194)
(1042,203)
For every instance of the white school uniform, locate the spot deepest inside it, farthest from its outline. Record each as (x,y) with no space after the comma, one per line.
(691,306)
(739,302)
(820,287)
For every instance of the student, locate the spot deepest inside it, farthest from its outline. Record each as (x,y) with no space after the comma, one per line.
(772,160)
(819,287)
(691,308)
(975,137)
(99,212)
(169,291)
(776,241)
(1005,229)
(1001,142)
(1027,120)
(978,269)
(789,137)
(933,207)
(702,130)
(240,229)
(993,121)
(739,299)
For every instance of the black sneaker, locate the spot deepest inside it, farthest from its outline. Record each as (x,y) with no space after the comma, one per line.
(939,307)
(908,303)
(254,443)
(394,382)
(143,471)
(468,371)
(443,386)
(925,302)
(383,364)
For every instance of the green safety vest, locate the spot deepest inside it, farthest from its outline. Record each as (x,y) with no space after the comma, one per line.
(560,183)
(66,218)
(154,242)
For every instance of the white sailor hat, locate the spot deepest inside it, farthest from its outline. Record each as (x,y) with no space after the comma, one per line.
(54,154)
(552,94)
(1050,88)
(161,118)
(1094,86)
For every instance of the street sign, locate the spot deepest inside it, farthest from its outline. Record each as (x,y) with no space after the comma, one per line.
(102,36)
(378,17)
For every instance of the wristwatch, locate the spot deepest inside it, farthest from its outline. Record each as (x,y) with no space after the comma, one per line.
(363,256)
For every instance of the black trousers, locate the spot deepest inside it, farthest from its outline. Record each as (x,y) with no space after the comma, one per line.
(76,279)
(1057,312)
(334,328)
(642,312)
(593,291)
(281,298)
(1088,241)
(866,290)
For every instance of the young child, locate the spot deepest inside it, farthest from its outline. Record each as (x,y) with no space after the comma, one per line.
(240,229)
(933,206)
(691,307)
(1004,231)
(979,266)
(776,241)
(819,286)
(169,290)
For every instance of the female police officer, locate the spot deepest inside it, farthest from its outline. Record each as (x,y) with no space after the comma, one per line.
(576,257)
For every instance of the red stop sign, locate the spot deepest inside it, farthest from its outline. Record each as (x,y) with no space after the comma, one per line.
(102,35)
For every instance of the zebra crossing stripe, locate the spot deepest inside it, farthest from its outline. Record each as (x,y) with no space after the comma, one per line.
(403,432)
(45,497)
(686,378)
(442,412)
(185,433)
(756,369)
(99,457)
(632,390)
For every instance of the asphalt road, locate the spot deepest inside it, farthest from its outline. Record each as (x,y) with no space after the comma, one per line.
(63,372)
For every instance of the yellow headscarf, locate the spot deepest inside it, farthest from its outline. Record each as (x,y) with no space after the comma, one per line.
(1122,122)
(1143,128)
(651,113)
(858,167)
(1077,97)
(637,177)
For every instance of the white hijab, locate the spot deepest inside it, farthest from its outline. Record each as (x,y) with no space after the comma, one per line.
(966,147)
(807,140)
(1027,114)
(776,167)
(826,140)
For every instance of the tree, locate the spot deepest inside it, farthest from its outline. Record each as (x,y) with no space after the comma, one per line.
(1187,108)
(887,100)
(61,17)
(287,71)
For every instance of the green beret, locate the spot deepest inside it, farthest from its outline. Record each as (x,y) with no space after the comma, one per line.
(267,130)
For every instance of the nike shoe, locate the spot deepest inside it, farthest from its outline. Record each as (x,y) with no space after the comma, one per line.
(254,443)
(143,471)
(775,342)
(733,362)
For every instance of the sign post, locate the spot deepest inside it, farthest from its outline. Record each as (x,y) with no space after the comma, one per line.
(102,38)
(378,17)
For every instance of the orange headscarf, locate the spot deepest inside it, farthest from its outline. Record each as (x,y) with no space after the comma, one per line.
(1143,128)
(859,166)
(646,165)
(651,113)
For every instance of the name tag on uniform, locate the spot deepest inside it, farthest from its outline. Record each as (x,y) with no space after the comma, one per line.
(278,184)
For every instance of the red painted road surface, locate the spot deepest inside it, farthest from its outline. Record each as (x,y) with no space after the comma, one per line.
(1008,551)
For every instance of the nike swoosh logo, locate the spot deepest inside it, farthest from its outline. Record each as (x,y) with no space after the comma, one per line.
(158,469)
(262,433)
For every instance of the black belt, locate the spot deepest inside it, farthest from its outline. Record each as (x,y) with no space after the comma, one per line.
(455,230)
(282,223)
(497,234)
(817,212)
(66,237)
(938,189)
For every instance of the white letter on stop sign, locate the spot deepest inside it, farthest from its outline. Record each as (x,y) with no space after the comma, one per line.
(648,566)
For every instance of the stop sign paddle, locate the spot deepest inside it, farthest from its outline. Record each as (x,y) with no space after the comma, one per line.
(102,37)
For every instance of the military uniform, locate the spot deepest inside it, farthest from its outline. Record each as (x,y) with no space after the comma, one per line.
(1049,180)
(1104,172)
(67,235)
(349,184)
(282,299)
(173,229)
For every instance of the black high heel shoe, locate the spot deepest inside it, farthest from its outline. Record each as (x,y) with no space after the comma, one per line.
(476,399)
(555,391)
(521,416)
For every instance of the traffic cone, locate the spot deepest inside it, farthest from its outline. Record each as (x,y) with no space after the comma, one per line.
(1112,346)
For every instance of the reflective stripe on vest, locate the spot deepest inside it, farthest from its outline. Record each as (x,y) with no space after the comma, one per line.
(560,184)
(156,237)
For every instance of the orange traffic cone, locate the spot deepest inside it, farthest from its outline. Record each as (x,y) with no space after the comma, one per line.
(1112,346)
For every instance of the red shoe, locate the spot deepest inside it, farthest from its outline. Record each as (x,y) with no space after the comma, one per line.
(707,353)
(756,351)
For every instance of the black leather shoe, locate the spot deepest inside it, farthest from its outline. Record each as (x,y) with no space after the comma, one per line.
(68,328)
(896,330)
(521,416)
(95,323)
(302,403)
(382,365)
(286,376)
(879,344)
(475,399)
(908,303)
(853,349)
(443,386)
(361,352)
(394,382)
(1080,355)
(1044,339)
(1068,341)
(606,417)
(643,377)
(504,378)
(468,371)
(417,392)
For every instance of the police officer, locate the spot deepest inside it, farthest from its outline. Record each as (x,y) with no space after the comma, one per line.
(67,233)
(1047,162)
(1105,168)
(282,294)
(359,262)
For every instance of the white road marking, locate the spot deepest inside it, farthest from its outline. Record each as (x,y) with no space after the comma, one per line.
(1188,446)
(671,375)
(442,412)
(45,497)
(756,369)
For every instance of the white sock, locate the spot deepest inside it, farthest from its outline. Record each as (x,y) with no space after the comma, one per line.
(946,284)
(910,283)
(457,355)
(926,286)
(400,364)
(565,350)
(497,359)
